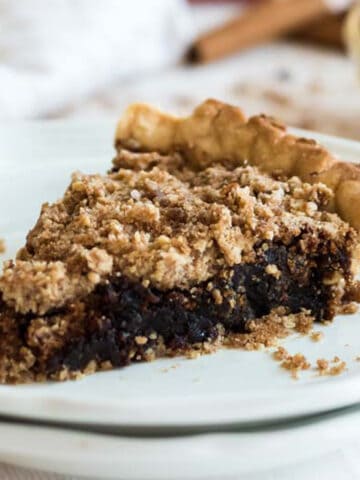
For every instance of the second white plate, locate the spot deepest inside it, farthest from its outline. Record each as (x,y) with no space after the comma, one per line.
(329,440)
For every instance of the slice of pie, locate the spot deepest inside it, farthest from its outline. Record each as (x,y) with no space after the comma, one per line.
(206,227)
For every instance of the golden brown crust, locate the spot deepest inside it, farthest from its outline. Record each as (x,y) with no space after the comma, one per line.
(217,132)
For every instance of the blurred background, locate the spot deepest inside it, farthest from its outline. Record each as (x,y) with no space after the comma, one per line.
(89,59)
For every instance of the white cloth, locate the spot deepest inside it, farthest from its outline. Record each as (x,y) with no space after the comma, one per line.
(58,52)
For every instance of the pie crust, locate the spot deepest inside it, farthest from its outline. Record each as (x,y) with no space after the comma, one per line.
(218,132)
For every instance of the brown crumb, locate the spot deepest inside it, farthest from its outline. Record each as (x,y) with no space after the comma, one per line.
(338,369)
(323,366)
(316,336)
(280,354)
(193,354)
(304,322)
(295,363)
(2,246)
(140,340)
(273,270)
(349,308)
(298,362)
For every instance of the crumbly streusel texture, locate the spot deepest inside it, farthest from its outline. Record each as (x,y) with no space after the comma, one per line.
(158,229)
(163,255)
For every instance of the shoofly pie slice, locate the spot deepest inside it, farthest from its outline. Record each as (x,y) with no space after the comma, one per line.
(205,228)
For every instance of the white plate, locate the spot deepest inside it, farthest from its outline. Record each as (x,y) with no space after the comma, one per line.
(191,457)
(230,386)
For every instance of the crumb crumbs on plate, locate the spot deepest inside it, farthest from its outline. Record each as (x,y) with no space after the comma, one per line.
(316,336)
(2,246)
(323,366)
(293,363)
(280,354)
(298,362)
(338,369)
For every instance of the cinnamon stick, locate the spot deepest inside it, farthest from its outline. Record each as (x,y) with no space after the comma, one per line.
(326,31)
(257,24)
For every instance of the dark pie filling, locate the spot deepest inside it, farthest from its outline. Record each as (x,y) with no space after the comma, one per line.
(119,312)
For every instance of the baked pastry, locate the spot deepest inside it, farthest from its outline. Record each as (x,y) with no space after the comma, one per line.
(205,228)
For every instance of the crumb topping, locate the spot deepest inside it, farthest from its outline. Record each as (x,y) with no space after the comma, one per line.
(163,224)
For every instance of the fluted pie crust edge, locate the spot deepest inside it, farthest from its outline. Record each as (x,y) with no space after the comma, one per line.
(218,132)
